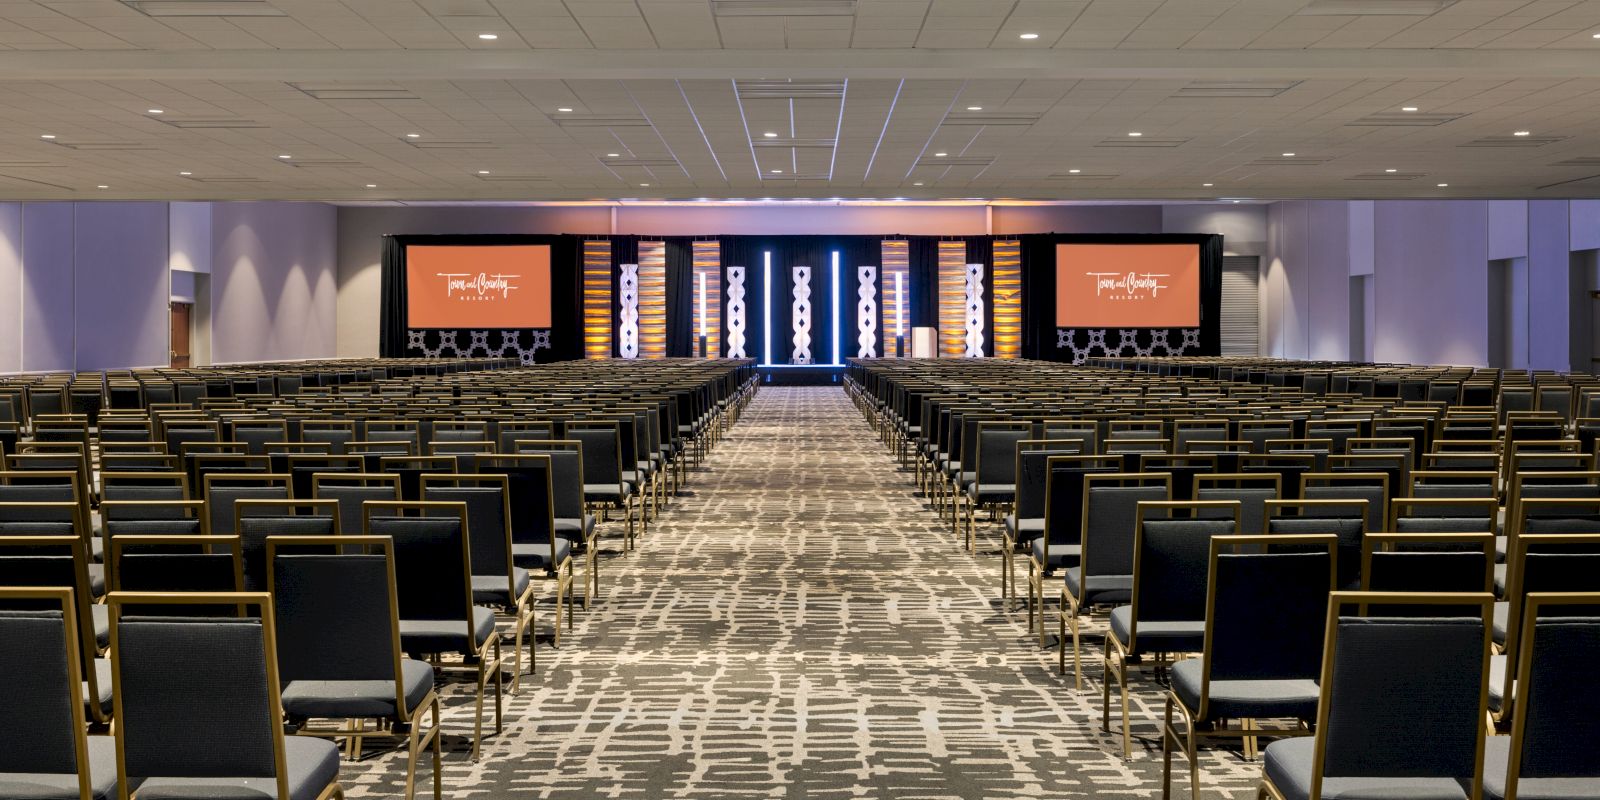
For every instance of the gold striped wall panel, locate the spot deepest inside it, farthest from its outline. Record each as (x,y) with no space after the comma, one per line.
(652,299)
(1007,294)
(952,299)
(708,268)
(896,311)
(597,298)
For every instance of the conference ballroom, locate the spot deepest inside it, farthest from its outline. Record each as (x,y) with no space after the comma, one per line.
(799,399)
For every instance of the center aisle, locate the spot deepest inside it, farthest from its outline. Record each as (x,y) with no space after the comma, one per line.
(802,627)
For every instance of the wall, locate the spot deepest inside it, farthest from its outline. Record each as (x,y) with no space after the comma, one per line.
(1430,262)
(273,281)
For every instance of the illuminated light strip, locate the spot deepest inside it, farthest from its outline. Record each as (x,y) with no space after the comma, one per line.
(766,307)
(597,295)
(1007,298)
(900,303)
(708,270)
(835,291)
(896,264)
(952,299)
(702,281)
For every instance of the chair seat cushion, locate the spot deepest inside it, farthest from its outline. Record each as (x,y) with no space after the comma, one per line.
(446,635)
(1501,547)
(358,698)
(97,579)
(101,615)
(1500,579)
(1101,588)
(44,786)
(1165,636)
(628,476)
(1061,555)
(313,764)
(1497,683)
(607,492)
(1502,614)
(1288,766)
(539,557)
(575,529)
(1023,530)
(102,685)
(1294,698)
(491,589)
(1497,761)
(991,492)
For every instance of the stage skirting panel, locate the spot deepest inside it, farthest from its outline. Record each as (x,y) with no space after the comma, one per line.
(810,302)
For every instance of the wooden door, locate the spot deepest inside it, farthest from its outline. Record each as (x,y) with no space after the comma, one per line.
(180,334)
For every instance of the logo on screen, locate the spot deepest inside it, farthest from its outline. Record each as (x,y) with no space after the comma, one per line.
(1128,285)
(466,287)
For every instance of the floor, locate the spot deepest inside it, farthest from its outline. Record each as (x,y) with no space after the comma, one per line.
(803,627)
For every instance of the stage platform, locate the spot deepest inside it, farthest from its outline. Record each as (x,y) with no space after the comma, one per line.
(801,374)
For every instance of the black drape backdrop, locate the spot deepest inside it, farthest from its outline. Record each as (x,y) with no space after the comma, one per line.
(787,251)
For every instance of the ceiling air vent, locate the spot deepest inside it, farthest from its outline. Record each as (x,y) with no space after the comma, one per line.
(321,163)
(1142,141)
(987,119)
(1209,89)
(25,164)
(204,8)
(955,161)
(100,144)
(1368,8)
(754,89)
(802,143)
(356,91)
(1404,119)
(498,178)
(1581,161)
(600,121)
(1084,176)
(639,162)
(783,8)
(210,122)
(1513,141)
(452,144)
(224,179)
(1387,176)
(1290,161)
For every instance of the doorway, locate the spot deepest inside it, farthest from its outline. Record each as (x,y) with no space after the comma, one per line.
(181,327)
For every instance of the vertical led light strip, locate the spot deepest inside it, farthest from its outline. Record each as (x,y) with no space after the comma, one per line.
(766,307)
(834,290)
(597,320)
(653,300)
(701,318)
(1007,294)
(952,299)
(897,314)
(708,273)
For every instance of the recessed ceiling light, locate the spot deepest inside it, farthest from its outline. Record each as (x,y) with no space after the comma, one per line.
(483,172)
(918,183)
(488,37)
(1408,108)
(1206,184)
(1074,171)
(940,155)
(646,185)
(372,186)
(1597,36)
(1391,170)
(47,136)
(1443,185)
(186,173)
(413,136)
(103,186)
(1029,36)
(1288,155)
(613,155)
(153,111)
(770,135)
(777,172)
(284,157)
(974,108)
(564,110)
(1238,201)
(1134,133)
(1520,133)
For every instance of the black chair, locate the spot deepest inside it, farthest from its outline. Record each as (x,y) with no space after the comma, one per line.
(198,705)
(994,469)
(202,564)
(1539,563)
(351,490)
(433,569)
(222,492)
(1346,519)
(256,520)
(1263,645)
(1026,520)
(44,753)
(1250,490)
(1059,544)
(603,484)
(339,654)
(1550,753)
(1384,680)
(1167,609)
(573,522)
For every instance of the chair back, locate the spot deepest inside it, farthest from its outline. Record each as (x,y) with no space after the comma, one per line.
(602,452)
(1557,717)
(997,451)
(1250,490)
(42,722)
(184,685)
(222,492)
(202,564)
(256,520)
(432,558)
(1386,678)
(1265,608)
(1427,562)
(337,610)
(1346,519)
(487,499)
(1372,487)
(566,474)
(351,490)
(1110,515)
(1032,475)
(1171,559)
(1064,493)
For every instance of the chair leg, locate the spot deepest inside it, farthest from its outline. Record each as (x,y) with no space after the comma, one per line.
(1168,738)
(1077,654)
(438,752)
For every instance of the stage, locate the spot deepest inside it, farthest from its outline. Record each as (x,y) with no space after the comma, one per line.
(801,374)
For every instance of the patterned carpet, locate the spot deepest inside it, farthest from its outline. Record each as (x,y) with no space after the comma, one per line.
(803,627)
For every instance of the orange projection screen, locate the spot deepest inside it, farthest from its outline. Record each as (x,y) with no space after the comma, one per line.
(1127,286)
(478,286)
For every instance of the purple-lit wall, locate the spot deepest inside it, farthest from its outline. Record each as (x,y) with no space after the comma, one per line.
(120,299)
(273,285)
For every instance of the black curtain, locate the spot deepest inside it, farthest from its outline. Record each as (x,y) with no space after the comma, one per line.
(923,275)
(566,299)
(1038,295)
(682,327)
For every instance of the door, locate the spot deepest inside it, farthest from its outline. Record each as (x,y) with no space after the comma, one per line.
(180,334)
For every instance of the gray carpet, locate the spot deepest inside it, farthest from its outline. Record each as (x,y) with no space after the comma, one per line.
(803,627)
